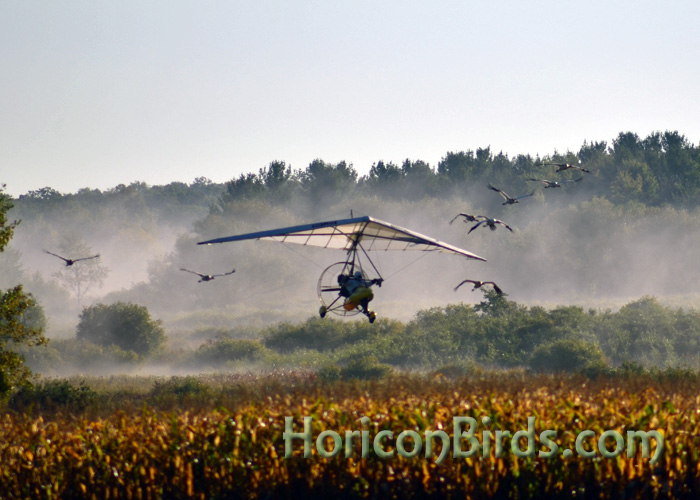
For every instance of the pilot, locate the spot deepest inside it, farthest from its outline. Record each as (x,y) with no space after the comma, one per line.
(359,293)
(356,281)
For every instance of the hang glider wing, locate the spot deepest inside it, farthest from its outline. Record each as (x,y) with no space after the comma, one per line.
(345,234)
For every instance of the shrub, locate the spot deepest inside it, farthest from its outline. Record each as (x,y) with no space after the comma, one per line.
(567,355)
(126,325)
(181,391)
(312,334)
(329,372)
(224,349)
(54,393)
(75,355)
(180,386)
(323,334)
(365,368)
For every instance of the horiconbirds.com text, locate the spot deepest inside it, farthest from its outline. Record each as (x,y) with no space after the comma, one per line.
(468,440)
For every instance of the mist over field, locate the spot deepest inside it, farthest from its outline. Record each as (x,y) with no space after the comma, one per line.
(618,235)
(561,252)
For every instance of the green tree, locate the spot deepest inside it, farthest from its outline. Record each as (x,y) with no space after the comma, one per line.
(275,175)
(592,152)
(247,186)
(627,145)
(635,181)
(128,326)
(419,180)
(642,331)
(457,168)
(324,181)
(6,228)
(384,179)
(496,304)
(682,163)
(17,328)
(11,271)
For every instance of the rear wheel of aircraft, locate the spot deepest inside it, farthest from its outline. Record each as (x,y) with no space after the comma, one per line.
(329,289)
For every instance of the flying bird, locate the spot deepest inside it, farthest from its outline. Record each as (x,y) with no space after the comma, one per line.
(567,166)
(509,199)
(491,223)
(479,284)
(555,184)
(70,262)
(206,277)
(467,218)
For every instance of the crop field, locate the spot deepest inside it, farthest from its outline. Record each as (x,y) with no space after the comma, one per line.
(223,436)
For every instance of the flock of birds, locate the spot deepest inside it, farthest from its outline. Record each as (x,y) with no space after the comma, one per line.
(491,223)
(202,277)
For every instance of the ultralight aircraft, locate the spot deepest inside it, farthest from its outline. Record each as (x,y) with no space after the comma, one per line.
(344,288)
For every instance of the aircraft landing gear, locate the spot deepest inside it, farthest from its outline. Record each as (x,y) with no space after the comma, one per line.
(322,311)
(371,315)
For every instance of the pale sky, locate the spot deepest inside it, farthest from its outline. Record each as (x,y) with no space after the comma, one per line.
(97,93)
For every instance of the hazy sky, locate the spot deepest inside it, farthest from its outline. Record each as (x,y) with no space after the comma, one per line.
(97,93)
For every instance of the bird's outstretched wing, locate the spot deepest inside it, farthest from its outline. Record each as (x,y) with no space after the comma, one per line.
(561,165)
(467,218)
(193,272)
(567,166)
(524,196)
(495,287)
(51,253)
(570,181)
(463,282)
(87,258)
(547,183)
(499,191)
(225,274)
(504,225)
(476,225)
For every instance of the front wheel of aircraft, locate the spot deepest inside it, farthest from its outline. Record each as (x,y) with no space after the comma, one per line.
(372,316)
(322,311)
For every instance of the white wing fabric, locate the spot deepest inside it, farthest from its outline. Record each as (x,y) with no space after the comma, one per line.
(345,234)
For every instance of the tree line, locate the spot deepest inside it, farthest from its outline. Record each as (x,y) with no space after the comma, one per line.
(662,168)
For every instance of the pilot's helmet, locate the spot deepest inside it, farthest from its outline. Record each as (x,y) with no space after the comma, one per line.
(358,275)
